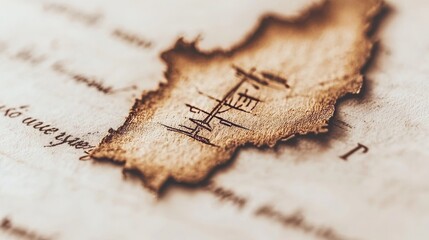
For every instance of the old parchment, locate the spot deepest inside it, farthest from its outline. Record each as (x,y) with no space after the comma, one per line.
(77,67)
(282,81)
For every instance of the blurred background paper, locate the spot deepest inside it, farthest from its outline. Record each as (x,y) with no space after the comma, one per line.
(77,66)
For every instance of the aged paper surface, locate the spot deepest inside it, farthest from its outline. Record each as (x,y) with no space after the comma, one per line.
(283,80)
(70,70)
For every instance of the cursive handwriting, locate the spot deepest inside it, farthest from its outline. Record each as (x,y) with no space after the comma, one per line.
(59,137)
(73,13)
(131,38)
(226,195)
(297,220)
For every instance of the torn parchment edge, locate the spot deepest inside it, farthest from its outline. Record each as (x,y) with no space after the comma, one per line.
(191,48)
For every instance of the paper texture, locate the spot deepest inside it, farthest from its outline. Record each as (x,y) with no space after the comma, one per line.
(71,70)
(282,81)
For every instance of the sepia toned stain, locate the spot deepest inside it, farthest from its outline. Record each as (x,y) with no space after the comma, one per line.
(283,80)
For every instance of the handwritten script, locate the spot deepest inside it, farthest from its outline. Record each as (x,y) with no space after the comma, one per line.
(278,83)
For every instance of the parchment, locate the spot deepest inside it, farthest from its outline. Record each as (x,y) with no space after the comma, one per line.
(282,81)
(78,66)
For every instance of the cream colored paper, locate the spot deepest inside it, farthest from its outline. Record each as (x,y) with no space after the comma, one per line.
(78,65)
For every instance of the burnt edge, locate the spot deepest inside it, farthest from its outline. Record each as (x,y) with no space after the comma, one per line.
(190,48)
